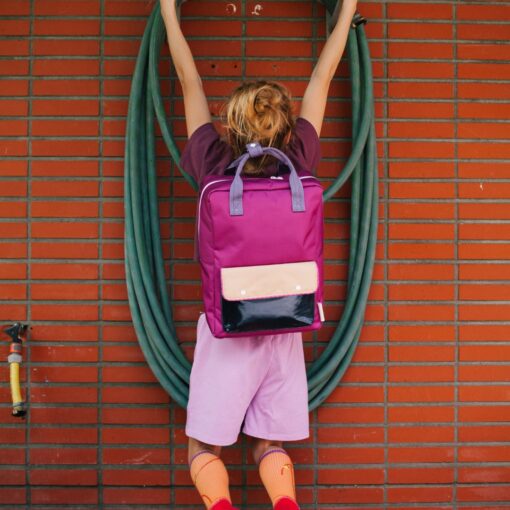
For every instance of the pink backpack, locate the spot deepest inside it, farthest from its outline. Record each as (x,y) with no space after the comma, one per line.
(260,247)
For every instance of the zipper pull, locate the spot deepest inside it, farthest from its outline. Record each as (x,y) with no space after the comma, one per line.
(321,311)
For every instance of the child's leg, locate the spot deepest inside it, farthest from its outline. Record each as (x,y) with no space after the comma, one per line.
(277,473)
(209,474)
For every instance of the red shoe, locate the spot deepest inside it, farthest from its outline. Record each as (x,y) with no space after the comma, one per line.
(286,503)
(223,504)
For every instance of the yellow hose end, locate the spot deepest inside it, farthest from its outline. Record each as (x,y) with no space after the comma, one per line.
(18,405)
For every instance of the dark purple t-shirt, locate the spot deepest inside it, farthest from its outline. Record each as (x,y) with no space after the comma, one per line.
(206,153)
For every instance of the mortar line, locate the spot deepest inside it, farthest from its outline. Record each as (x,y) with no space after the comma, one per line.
(100,390)
(28,423)
(456,259)
(385,265)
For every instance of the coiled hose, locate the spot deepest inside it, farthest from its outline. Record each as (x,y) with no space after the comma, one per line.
(147,292)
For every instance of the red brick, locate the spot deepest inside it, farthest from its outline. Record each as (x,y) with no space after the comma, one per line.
(423,210)
(483,12)
(351,476)
(136,456)
(430,251)
(138,495)
(130,415)
(407,231)
(64,250)
(421,454)
(419,11)
(482,32)
(481,353)
(420,31)
(423,50)
(11,169)
(64,209)
(14,107)
(14,48)
(492,91)
(483,52)
(13,128)
(19,8)
(56,27)
(76,47)
(13,291)
(483,433)
(13,496)
(490,393)
(14,27)
(66,496)
(420,373)
(346,495)
(487,211)
(484,312)
(140,395)
(420,495)
(350,435)
(415,333)
(480,292)
(63,477)
(136,477)
(65,312)
(474,333)
(423,353)
(62,435)
(417,393)
(65,107)
(13,271)
(43,271)
(87,87)
(365,414)
(411,130)
(64,415)
(427,70)
(13,88)
(63,455)
(64,395)
(416,109)
(432,475)
(477,170)
(421,434)
(417,414)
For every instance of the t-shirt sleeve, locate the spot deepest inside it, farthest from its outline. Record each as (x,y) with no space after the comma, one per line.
(304,148)
(205,153)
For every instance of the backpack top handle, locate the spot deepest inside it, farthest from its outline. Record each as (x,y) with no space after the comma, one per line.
(254,149)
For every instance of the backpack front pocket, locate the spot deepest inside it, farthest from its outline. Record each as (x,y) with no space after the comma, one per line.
(273,296)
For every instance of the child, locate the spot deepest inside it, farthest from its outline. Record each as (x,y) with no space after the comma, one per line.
(255,382)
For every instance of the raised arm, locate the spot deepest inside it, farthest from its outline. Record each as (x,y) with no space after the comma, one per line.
(196,108)
(316,93)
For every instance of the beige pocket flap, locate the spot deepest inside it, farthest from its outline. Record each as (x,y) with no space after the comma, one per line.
(272,280)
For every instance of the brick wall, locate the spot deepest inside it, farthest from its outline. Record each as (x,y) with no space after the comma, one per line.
(421,416)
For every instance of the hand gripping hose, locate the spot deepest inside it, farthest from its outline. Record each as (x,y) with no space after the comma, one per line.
(145,276)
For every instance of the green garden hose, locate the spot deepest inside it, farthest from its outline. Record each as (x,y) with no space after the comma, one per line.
(147,291)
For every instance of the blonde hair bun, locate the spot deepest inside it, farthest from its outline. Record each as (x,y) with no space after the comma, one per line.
(258,111)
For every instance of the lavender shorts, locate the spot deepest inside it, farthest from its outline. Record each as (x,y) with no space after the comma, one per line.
(254,382)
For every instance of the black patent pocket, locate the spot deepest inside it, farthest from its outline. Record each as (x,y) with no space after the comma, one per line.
(268,313)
